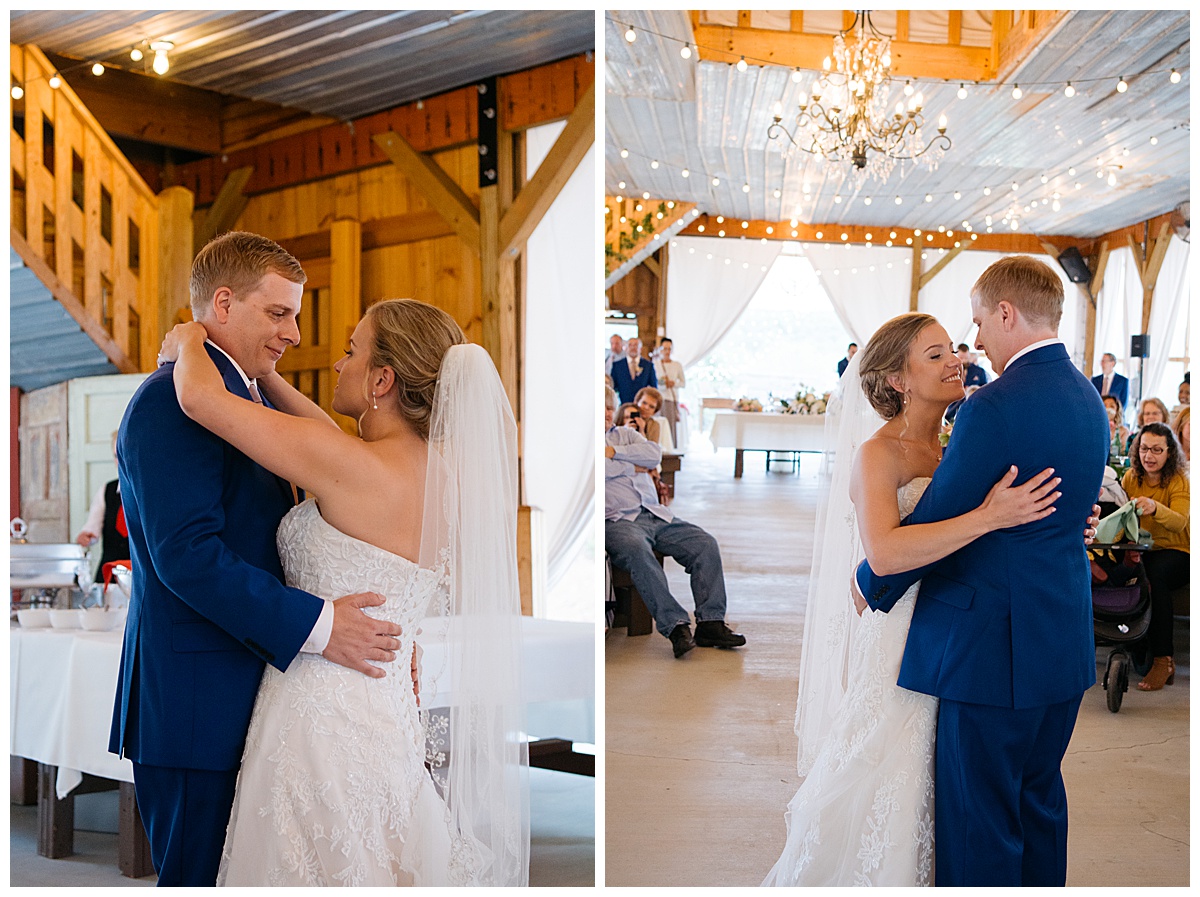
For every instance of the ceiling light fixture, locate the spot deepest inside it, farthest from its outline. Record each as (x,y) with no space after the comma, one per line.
(161,48)
(853,122)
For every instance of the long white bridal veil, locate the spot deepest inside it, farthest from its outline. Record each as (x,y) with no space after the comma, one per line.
(477,751)
(829,618)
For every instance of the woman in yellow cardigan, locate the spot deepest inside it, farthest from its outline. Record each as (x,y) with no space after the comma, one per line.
(1157,481)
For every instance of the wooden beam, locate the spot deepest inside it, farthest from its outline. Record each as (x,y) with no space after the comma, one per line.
(449,199)
(175,256)
(345,297)
(226,208)
(497,271)
(1094,287)
(68,300)
(719,43)
(1150,274)
(652,266)
(914,291)
(743,16)
(902,24)
(954,32)
(1022,37)
(942,263)
(797,21)
(536,197)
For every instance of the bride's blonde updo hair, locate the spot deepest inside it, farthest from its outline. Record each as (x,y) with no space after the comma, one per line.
(412,338)
(887,354)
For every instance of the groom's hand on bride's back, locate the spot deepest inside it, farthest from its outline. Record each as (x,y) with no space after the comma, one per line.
(357,638)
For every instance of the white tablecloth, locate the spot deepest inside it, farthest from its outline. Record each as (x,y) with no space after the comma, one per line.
(762,431)
(62,685)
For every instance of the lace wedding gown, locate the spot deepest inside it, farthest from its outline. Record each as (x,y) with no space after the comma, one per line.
(333,789)
(864,813)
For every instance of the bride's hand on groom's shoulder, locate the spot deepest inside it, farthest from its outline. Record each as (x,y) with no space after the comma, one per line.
(178,337)
(357,638)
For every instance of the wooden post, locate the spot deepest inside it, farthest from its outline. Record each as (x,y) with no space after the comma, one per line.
(1097,283)
(175,205)
(914,292)
(133,848)
(345,292)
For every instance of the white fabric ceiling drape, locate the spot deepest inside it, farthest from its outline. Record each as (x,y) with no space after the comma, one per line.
(1171,296)
(559,410)
(710,280)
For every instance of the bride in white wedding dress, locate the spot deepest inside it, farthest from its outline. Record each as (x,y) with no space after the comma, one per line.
(344,780)
(864,812)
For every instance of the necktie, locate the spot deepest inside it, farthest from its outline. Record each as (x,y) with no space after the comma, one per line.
(254,393)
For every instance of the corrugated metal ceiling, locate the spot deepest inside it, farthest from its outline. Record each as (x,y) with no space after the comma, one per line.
(711,119)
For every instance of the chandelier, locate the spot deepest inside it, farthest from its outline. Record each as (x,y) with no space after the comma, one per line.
(848,118)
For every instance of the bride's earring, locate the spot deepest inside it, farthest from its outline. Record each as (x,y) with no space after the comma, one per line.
(374,403)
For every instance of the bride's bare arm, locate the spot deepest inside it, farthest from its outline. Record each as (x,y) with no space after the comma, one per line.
(892,548)
(304,450)
(290,400)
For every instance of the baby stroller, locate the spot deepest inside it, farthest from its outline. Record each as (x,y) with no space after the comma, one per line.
(1120,607)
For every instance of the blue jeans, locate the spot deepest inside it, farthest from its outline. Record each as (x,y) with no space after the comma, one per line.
(631,545)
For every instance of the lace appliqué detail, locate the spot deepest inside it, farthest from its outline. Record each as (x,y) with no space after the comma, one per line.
(333,788)
(864,814)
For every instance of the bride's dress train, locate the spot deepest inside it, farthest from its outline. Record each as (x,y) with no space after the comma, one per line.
(333,788)
(864,813)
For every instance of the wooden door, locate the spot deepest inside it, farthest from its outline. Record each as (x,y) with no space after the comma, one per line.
(43,437)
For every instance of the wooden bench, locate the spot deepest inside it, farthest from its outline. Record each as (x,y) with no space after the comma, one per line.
(631,612)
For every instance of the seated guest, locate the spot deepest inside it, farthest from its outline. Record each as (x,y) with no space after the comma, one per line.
(1182,427)
(1158,483)
(1110,383)
(636,525)
(1116,427)
(632,372)
(1150,411)
(1185,393)
(649,403)
(845,362)
(630,415)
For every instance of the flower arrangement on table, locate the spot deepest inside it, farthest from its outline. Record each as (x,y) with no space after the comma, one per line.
(745,404)
(805,402)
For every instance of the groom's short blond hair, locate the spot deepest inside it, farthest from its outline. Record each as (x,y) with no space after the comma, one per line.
(1030,286)
(238,260)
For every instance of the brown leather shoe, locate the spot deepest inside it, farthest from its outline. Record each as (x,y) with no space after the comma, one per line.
(1161,673)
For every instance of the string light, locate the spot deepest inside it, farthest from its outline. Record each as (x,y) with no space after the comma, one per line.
(962,91)
(1016,92)
(630,35)
(685,51)
(1122,86)
(55,81)
(796,76)
(1069,90)
(1175,77)
(654,163)
(136,54)
(161,63)
(97,69)
(741,64)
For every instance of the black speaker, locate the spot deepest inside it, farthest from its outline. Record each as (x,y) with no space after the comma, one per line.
(1072,262)
(1139,345)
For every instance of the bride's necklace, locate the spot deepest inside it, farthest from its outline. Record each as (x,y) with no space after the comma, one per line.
(935,451)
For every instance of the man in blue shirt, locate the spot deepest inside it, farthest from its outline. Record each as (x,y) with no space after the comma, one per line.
(636,525)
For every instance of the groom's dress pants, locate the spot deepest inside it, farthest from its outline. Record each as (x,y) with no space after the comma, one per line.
(1000,804)
(631,545)
(185,812)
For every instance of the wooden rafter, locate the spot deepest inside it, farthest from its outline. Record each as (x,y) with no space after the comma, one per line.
(940,266)
(536,197)
(449,199)
(226,208)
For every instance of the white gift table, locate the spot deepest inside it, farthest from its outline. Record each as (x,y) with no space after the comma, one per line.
(760,431)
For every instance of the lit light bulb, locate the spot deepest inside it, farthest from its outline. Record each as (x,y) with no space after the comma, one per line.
(17,92)
(1056,205)
(929,197)
(98,69)
(957,195)
(837,199)
(778,109)
(624,154)
(1016,94)
(1112,179)
(741,64)
(796,76)
(1014,186)
(645,196)
(745,188)
(778,194)
(962,91)
(685,51)
(161,63)
(942,122)
(1175,77)
(621,184)
(136,54)
(1122,86)
(1154,141)
(866,200)
(55,81)
(908,89)
(1045,179)
(654,163)
(631,35)
(716,182)
(1069,90)
(686,173)
(987,191)
(899,201)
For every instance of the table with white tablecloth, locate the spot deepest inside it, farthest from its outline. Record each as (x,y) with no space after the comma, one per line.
(759,431)
(62,686)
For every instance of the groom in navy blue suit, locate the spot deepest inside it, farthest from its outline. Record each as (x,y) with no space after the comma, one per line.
(1002,629)
(209,608)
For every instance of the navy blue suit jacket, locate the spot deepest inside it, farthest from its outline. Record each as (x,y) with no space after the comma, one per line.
(209,607)
(626,386)
(1007,620)
(1119,389)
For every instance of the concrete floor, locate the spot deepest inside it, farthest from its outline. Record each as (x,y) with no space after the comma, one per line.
(562,840)
(700,753)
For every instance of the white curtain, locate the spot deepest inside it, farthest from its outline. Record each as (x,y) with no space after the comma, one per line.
(1118,312)
(867,285)
(560,414)
(1171,296)
(710,281)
